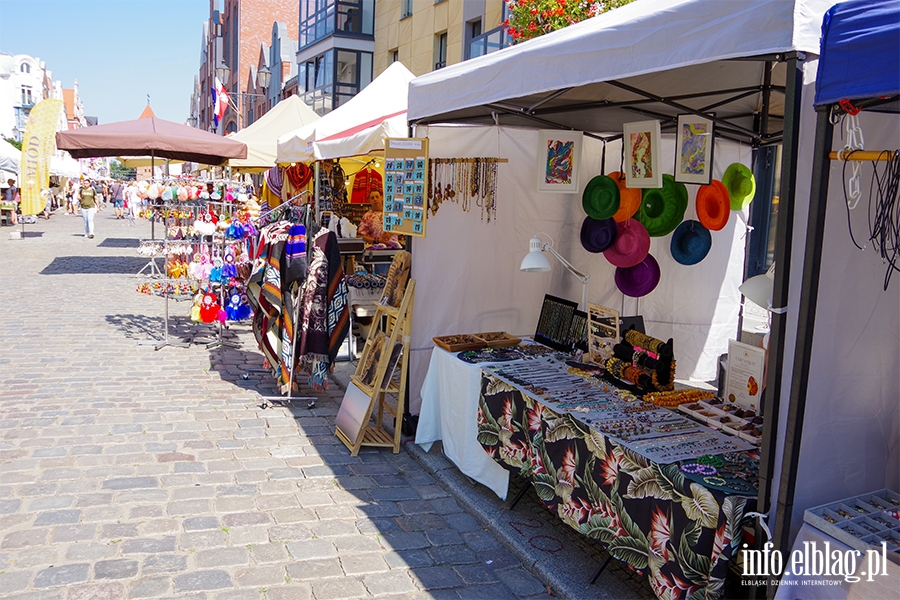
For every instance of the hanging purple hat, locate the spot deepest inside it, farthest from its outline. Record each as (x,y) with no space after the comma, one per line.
(640,279)
(597,235)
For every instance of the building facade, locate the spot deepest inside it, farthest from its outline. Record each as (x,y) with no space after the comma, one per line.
(24,81)
(426,34)
(232,37)
(335,51)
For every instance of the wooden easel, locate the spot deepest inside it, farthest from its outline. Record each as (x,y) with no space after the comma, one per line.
(394,324)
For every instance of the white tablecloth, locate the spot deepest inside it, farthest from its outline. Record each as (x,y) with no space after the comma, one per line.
(449,413)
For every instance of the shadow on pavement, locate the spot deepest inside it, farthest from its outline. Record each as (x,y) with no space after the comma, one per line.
(141,327)
(119,243)
(94,265)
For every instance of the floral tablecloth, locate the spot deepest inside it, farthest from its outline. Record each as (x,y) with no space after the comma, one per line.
(676,532)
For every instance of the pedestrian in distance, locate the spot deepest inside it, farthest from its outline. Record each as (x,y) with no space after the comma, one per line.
(88,207)
(98,195)
(118,194)
(11,198)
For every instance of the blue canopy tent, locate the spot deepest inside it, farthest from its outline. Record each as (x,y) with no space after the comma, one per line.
(858,70)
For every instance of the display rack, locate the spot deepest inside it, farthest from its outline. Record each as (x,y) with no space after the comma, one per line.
(392,326)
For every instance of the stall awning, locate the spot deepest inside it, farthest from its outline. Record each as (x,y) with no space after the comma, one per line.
(357,127)
(860,55)
(649,59)
(261,137)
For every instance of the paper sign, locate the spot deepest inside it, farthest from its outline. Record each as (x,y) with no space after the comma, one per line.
(744,381)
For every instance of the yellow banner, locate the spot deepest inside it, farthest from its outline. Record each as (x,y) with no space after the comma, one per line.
(38,145)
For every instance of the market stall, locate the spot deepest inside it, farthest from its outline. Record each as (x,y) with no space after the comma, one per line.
(748,66)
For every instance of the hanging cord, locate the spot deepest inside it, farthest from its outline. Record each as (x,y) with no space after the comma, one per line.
(883,212)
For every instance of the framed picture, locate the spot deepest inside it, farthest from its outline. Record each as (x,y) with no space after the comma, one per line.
(642,147)
(603,332)
(694,150)
(559,158)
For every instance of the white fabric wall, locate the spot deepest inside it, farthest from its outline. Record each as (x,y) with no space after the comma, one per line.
(851,433)
(467,270)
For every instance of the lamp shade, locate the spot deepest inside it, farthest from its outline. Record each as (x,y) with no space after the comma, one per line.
(759,289)
(535,261)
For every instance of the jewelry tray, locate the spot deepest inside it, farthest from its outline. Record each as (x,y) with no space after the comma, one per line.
(498,339)
(712,415)
(459,342)
(873,518)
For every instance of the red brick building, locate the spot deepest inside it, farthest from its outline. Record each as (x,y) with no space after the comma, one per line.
(233,36)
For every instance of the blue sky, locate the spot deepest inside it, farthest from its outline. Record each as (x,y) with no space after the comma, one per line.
(118,50)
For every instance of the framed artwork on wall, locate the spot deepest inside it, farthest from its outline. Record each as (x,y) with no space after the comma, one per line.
(642,147)
(559,158)
(694,150)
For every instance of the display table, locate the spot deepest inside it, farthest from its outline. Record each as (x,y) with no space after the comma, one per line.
(678,533)
(449,413)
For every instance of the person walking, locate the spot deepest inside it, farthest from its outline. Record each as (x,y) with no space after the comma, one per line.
(88,207)
(10,198)
(133,201)
(118,194)
(98,195)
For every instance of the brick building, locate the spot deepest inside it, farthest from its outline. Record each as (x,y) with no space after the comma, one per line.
(232,37)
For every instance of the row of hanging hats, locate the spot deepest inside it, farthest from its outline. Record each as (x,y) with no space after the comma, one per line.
(620,222)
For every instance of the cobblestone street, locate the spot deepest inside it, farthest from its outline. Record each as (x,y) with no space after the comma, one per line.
(129,473)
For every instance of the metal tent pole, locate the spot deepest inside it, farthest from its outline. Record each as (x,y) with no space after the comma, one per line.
(783,247)
(806,323)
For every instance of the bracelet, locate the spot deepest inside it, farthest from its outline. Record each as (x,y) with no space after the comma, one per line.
(715,481)
(739,486)
(711,460)
(698,469)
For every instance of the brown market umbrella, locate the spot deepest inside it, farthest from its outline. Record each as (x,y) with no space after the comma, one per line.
(150,136)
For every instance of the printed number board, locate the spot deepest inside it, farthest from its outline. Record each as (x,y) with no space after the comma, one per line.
(406,185)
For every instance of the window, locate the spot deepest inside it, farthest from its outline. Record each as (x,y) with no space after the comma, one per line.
(474,29)
(440,51)
(320,19)
(395,55)
(406,8)
(25,68)
(26,95)
(488,42)
(330,79)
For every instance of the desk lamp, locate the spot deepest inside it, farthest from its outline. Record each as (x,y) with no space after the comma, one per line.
(536,262)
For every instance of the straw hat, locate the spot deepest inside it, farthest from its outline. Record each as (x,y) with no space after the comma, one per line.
(662,209)
(640,279)
(600,198)
(713,205)
(690,243)
(741,185)
(629,198)
(597,236)
(631,245)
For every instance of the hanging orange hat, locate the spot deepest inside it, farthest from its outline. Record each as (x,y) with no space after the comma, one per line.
(713,205)
(629,198)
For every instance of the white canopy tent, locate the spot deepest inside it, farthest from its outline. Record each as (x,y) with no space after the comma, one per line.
(753,64)
(9,158)
(261,137)
(357,127)
(64,166)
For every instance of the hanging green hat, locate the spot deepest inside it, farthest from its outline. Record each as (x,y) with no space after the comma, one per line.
(741,185)
(662,209)
(600,198)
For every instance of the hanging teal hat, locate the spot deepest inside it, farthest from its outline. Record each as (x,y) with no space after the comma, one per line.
(662,209)
(741,185)
(600,198)
(690,243)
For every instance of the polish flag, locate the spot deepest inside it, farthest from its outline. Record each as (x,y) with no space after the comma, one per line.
(220,101)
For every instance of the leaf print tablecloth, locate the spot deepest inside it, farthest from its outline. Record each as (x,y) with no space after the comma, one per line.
(678,533)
